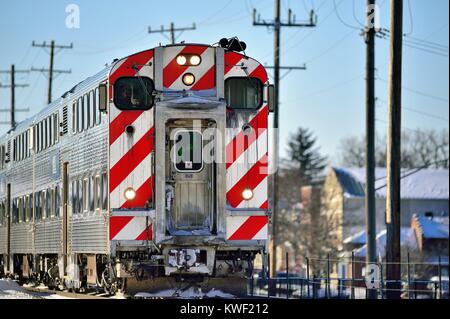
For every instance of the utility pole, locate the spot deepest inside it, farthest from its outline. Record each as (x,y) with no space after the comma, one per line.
(393,255)
(371,255)
(51,71)
(172,31)
(13,86)
(277,24)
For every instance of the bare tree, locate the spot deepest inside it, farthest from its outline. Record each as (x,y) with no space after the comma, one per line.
(419,148)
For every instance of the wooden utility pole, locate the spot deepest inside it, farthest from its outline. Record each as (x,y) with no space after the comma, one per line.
(172,31)
(277,24)
(393,257)
(51,71)
(12,110)
(371,255)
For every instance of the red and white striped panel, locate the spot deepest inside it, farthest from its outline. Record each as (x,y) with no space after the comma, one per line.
(247,227)
(130,156)
(129,228)
(205,73)
(247,155)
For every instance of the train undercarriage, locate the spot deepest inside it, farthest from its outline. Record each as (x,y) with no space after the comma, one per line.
(134,272)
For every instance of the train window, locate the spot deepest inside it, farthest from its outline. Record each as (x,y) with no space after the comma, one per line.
(49,131)
(46,141)
(86,119)
(74,116)
(44,206)
(80,115)
(57,201)
(25,141)
(74,197)
(91,194)
(48,203)
(20,208)
(98,115)
(15,211)
(27,208)
(2,156)
(97,192)
(188,151)
(2,213)
(55,128)
(91,109)
(85,195)
(14,149)
(243,93)
(104,191)
(37,205)
(133,93)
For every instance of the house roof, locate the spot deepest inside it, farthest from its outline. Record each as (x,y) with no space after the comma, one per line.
(415,184)
(407,239)
(433,228)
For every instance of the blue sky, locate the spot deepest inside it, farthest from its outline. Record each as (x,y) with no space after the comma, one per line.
(328,97)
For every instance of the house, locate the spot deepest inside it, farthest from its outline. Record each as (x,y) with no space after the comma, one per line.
(356,244)
(343,202)
(432,233)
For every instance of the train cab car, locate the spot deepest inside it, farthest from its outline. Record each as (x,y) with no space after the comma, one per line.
(155,169)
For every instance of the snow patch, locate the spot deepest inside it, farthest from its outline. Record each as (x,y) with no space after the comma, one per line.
(191,293)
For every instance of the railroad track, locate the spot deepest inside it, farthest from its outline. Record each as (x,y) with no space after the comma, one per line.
(68,294)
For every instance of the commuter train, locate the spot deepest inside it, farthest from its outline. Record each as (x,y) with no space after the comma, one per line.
(149,174)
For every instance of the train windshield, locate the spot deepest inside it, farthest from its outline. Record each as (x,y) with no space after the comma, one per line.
(243,93)
(133,93)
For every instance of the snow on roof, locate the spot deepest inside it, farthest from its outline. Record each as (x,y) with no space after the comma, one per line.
(358,238)
(422,184)
(433,228)
(407,239)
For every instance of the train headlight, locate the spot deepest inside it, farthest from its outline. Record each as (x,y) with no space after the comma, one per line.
(188,79)
(129,193)
(181,60)
(195,60)
(247,194)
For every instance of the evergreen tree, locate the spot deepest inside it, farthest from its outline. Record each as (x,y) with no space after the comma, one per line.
(304,157)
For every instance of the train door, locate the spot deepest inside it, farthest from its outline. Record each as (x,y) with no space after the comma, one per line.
(65,203)
(190,185)
(8,229)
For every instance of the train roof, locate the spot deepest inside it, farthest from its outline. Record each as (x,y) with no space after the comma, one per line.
(83,85)
(52,107)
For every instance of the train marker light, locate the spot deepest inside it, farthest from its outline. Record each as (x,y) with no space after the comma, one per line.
(181,60)
(129,193)
(195,60)
(188,79)
(247,194)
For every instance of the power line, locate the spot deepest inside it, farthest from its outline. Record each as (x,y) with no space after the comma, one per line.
(172,31)
(12,110)
(415,171)
(342,20)
(51,71)
(277,24)
(444,119)
(428,95)
(411,19)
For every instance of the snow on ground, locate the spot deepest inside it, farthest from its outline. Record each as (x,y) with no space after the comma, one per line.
(190,293)
(10,289)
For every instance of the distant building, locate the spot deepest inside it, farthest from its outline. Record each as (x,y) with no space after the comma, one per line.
(426,240)
(422,191)
(432,233)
